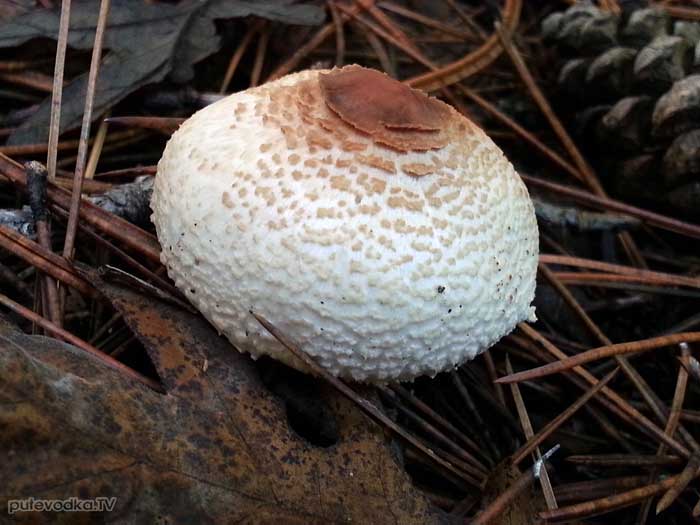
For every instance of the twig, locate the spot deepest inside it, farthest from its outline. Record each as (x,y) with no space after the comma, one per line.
(468,20)
(44,260)
(31,79)
(602,352)
(477,470)
(393,29)
(487,442)
(594,279)
(96,149)
(315,41)
(553,425)
(238,54)
(611,5)
(617,404)
(64,145)
(339,34)
(498,505)
(75,341)
(427,21)
(121,254)
(596,488)
(36,187)
(444,423)
(164,125)
(672,425)
(645,275)
(546,484)
(519,130)
(687,13)
(260,55)
(610,428)
(649,217)
(625,460)
(113,274)
(134,172)
(411,51)
(610,503)
(474,61)
(57,93)
(582,220)
(646,392)
(132,236)
(585,169)
(381,53)
(72,227)
(493,375)
(397,38)
(89,186)
(21,65)
(542,102)
(692,366)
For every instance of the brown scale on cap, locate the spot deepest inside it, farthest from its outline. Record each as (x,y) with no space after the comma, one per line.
(390,112)
(355,117)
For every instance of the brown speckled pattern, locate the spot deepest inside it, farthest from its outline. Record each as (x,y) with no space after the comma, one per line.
(267,201)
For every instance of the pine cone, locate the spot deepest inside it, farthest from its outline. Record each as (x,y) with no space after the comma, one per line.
(631,86)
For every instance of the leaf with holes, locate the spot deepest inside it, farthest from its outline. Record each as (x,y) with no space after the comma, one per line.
(146,43)
(216,448)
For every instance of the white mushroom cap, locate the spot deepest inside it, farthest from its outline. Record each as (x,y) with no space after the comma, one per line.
(376,227)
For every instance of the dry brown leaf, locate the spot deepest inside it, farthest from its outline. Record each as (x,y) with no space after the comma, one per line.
(216,449)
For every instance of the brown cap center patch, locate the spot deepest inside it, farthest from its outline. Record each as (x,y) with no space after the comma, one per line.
(390,112)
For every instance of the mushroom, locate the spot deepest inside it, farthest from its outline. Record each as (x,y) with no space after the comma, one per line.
(375,226)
